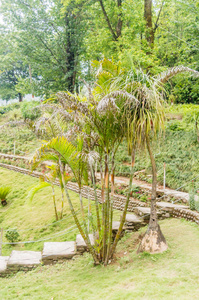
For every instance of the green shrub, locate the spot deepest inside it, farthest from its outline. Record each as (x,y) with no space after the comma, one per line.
(12,235)
(29,111)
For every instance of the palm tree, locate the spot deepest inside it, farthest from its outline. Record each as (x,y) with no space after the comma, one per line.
(142,121)
(118,107)
(61,152)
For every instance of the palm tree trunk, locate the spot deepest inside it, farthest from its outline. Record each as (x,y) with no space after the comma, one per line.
(118,235)
(87,241)
(153,240)
(106,208)
(62,203)
(54,202)
(111,210)
(96,203)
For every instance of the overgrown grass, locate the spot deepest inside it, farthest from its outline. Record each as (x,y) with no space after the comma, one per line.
(25,140)
(178,149)
(171,275)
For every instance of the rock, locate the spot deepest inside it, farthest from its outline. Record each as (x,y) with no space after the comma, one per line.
(23,260)
(170,205)
(81,245)
(3,264)
(115,225)
(133,219)
(144,212)
(133,222)
(54,251)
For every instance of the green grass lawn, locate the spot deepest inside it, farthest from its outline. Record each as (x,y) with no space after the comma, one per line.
(171,275)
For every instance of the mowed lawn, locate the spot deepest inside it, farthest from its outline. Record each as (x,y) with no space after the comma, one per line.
(172,275)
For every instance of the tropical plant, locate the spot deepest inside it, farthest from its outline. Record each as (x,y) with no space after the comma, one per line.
(4,191)
(122,105)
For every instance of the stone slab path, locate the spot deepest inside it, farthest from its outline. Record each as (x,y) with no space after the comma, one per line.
(80,243)
(54,251)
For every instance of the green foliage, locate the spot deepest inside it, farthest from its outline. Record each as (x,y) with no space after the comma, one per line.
(29,111)
(12,235)
(9,107)
(4,191)
(42,184)
(186,90)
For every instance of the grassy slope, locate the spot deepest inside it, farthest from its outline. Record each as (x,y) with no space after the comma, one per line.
(21,214)
(24,216)
(178,149)
(25,140)
(172,275)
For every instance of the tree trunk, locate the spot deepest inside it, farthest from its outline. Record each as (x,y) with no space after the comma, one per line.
(149,33)
(153,240)
(54,203)
(119,232)
(20,97)
(70,51)
(85,237)
(119,22)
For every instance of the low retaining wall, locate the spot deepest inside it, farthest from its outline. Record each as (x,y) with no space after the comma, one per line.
(166,195)
(118,201)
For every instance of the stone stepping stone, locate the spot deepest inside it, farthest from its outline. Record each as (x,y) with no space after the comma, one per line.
(23,260)
(133,219)
(54,251)
(133,222)
(81,245)
(145,212)
(115,227)
(165,205)
(3,265)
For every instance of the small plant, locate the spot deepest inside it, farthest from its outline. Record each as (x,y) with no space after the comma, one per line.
(12,235)
(4,191)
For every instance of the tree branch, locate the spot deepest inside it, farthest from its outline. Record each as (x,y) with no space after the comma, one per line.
(108,21)
(158,17)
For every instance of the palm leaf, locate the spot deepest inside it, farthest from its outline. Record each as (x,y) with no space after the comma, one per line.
(35,189)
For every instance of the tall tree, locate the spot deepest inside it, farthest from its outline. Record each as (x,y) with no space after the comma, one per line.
(49,39)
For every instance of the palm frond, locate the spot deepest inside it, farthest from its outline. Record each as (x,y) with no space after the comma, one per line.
(35,189)
(165,76)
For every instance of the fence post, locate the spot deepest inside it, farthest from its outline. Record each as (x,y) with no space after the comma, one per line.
(164,181)
(1,241)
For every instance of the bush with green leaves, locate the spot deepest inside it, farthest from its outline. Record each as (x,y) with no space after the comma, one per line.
(12,235)
(29,110)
